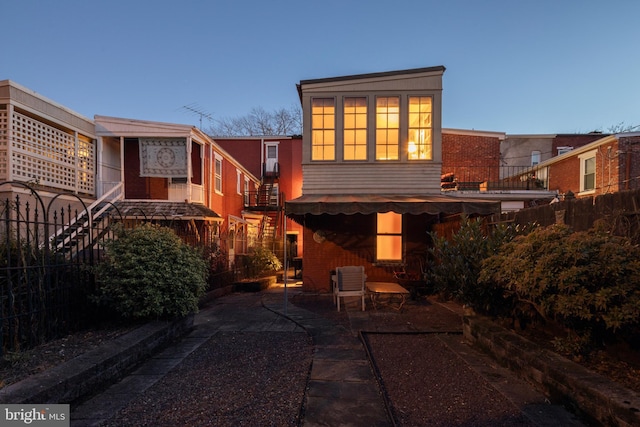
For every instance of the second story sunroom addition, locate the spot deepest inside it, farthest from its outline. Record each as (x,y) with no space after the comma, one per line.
(383,117)
(354,132)
(373,133)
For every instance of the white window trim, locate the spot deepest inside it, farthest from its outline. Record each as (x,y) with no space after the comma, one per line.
(239,181)
(246,191)
(582,157)
(217,157)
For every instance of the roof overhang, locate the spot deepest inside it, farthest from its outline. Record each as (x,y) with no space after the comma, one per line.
(375,203)
(164,210)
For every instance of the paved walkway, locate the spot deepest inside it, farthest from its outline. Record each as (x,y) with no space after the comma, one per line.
(342,388)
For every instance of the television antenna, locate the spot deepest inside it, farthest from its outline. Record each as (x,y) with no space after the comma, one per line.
(196,109)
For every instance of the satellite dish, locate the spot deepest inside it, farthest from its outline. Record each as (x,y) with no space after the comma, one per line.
(319,236)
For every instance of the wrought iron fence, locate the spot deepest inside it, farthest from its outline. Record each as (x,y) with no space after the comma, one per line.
(46,257)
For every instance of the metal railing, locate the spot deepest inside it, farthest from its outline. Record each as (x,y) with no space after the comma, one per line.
(490,178)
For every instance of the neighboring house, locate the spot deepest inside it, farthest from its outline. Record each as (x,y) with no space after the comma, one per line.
(48,147)
(277,160)
(607,165)
(177,174)
(472,166)
(530,150)
(372,164)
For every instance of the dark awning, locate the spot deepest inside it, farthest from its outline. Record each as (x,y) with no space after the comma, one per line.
(374,203)
(164,210)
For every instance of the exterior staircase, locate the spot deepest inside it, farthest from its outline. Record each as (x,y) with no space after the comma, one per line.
(81,232)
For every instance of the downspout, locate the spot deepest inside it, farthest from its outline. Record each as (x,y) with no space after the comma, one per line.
(261,160)
(122,164)
(189,166)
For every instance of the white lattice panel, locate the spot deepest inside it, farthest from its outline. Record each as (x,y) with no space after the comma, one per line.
(48,155)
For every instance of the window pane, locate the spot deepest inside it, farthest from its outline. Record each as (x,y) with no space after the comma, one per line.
(389,222)
(355,128)
(322,129)
(419,138)
(389,248)
(590,165)
(387,125)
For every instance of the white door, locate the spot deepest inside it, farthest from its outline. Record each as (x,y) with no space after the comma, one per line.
(272,158)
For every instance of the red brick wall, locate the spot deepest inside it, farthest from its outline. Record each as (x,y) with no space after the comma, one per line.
(350,240)
(573,140)
(565,175)
(629,167)
(476,158)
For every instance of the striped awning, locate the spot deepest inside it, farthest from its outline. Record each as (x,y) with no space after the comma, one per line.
(374,203)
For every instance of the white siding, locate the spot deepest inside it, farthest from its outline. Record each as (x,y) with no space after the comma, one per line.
(372,178)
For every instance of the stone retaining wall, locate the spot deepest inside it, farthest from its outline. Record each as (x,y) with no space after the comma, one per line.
(91,371)
(587,393)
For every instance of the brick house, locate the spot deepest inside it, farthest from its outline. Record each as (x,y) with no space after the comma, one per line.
(177,174)
(372,157)
(277,161)
(607,165)
(473,166)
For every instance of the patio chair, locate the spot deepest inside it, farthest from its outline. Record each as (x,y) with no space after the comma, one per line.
(350,281)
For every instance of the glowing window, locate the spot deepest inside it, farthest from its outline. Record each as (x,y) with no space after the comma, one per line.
(387,127)
(419,140)
(355,128)
(323,129)
(389,237)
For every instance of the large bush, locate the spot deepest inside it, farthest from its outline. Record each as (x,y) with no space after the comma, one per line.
(455,263)
(260,260)
(150,273)
(588,281)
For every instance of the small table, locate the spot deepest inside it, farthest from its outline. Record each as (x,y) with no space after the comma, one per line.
(375,289)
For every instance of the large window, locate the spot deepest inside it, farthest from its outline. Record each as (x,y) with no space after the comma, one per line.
(588,171)
(387,128)
(355,128)
(323,132)
(389,237)
(420,141)
(217,170)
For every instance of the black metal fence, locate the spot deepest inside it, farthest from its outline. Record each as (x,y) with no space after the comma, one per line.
(46,258)
(48,252)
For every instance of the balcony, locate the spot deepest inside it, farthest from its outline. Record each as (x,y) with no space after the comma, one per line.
(263,200)
(491,179)
(271,170)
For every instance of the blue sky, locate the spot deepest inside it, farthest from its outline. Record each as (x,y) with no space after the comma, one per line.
(538,66)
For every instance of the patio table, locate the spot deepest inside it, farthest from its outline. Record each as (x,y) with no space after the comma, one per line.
(376,289)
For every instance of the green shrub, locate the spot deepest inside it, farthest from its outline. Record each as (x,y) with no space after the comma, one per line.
(587,281)
(456,262)
(150,273)
(261,260)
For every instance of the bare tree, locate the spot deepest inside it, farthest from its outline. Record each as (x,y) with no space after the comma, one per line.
(260,122)
(621,128)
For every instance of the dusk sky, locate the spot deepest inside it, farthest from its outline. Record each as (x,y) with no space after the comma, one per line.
(521,67)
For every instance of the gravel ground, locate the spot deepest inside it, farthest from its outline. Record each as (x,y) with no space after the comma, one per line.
(428,385)
(235,379)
